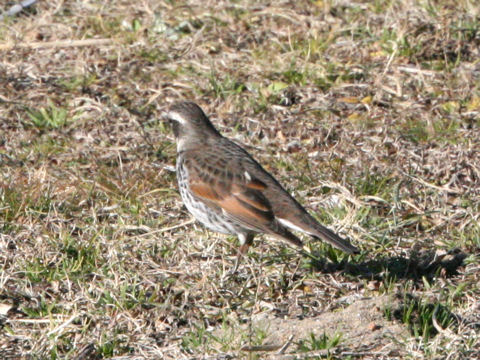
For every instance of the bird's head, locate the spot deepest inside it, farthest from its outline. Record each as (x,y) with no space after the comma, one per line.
(189,121)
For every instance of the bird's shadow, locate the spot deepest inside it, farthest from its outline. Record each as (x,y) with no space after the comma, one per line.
(416,266)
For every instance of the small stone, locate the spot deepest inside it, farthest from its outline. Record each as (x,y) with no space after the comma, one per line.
(373,285)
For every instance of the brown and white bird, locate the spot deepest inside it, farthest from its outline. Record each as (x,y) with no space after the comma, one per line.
(225,189)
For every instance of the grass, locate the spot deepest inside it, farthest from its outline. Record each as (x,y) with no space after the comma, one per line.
(322,342)
(367,112)
(51,117)
(423,318)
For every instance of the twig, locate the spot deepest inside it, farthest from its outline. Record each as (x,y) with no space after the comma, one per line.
(57,44)
(256,348)
(433,186)
(62,326)
(327,352)
(284,347)
(413,70)
(191,221)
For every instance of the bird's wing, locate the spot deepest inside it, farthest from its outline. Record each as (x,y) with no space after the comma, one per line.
(238,195)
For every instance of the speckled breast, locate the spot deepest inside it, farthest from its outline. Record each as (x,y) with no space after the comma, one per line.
(211,218)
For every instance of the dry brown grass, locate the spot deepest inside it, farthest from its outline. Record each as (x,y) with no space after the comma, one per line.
(369,112)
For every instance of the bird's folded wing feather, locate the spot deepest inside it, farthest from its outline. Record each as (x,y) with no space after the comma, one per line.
(242,200)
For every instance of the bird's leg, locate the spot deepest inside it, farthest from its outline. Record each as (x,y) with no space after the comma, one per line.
(241,252)
(245,240)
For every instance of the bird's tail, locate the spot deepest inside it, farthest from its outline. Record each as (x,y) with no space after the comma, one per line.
(311,227)
(322,233)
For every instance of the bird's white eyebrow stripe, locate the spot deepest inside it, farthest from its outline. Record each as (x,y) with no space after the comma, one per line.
(173,115)
(247,176)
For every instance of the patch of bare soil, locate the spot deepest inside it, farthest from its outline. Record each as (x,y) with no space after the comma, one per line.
(362,322)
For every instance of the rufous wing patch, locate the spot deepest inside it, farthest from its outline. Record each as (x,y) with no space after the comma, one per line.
(205,191)
(256,184)
(243,202)
(245,212)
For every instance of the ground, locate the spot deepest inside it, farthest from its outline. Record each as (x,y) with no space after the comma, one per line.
(368,112)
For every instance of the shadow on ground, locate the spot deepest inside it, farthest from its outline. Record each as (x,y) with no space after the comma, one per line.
(418,265)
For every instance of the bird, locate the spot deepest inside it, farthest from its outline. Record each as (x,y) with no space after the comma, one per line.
(229,192)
